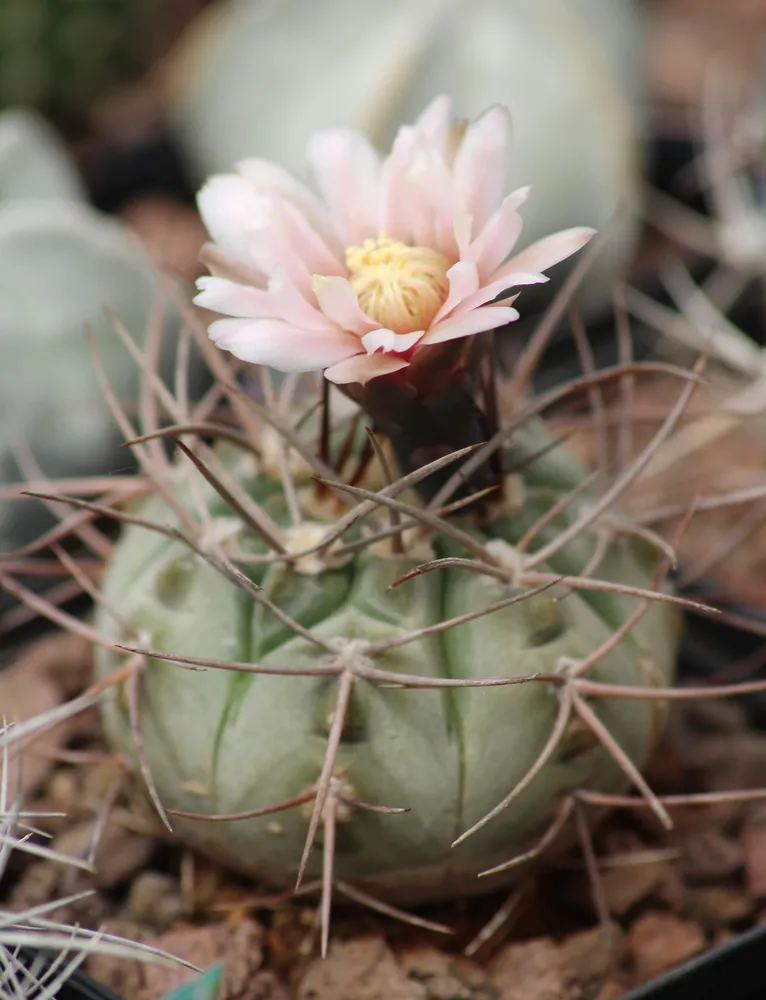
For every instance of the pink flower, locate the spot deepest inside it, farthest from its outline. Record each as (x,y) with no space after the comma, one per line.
(394,254)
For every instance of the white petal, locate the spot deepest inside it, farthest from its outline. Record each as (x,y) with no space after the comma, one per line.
(280,345)
(231,298)
(548,251)
(498,237)
(467,324)
(339,302)
(364,367)
(291,306)
(435,122)
(267,176)
(346,168)
(489,292)
(390,342)
(463,280)
(482,165)
(304,239)
(224,265)
(232,211)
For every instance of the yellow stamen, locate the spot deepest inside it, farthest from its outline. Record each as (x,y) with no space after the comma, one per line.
(398,286)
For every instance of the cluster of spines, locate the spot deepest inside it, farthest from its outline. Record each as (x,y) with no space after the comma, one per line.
(227,412)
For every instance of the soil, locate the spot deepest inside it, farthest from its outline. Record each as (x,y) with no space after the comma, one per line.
(668,896)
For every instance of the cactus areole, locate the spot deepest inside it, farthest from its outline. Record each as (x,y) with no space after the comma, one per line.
(371,668)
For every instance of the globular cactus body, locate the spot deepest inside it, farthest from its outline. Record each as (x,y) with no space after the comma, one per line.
(220,741)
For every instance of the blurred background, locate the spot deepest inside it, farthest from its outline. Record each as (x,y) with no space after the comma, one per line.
(112,112)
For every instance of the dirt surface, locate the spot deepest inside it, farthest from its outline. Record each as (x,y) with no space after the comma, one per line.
(669,896)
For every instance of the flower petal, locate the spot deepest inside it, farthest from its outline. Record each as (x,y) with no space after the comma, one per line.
(282,346)
(338,300)
(416,204)
(364,367)
(466,324)
(304,239)
(491,291)
(224,265)
(544,253)
(229,297)
(288,304)
(498,237)
(482,165)
(232,211)
(463,282)
(434,124)
(270,178)
(346,168)
(390,342)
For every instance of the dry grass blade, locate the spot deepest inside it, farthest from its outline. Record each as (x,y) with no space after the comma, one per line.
(345,687)
(423,516)
(562,814)
(396,521)
(549,399)
(69,525)
(47,610)
(88,533)
(233,498)
(626,478)
(30,929)
(148,467)
(296,800)
(403,483)
(627,384)
(499,919)
(671,801)
(19,615)
(74,569)
(595,395)
(138,665)
(329,817)
(365,899)
(718,501)
(384,645)
(198,429)
(240,666)
(559,727)
(529,360)
(630,770)
(285,474)
(553,512)
(592,868)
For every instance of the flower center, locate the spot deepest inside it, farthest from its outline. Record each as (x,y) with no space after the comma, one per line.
(398,286)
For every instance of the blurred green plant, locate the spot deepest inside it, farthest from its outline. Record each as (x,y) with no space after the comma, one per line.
(60,55)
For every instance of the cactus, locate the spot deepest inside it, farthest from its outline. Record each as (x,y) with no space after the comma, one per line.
(62,263)
(378,660)
(317,726)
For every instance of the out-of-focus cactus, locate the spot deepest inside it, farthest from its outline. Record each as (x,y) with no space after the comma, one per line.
(62,263)
(257,78)
(60,55)
(33,162)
